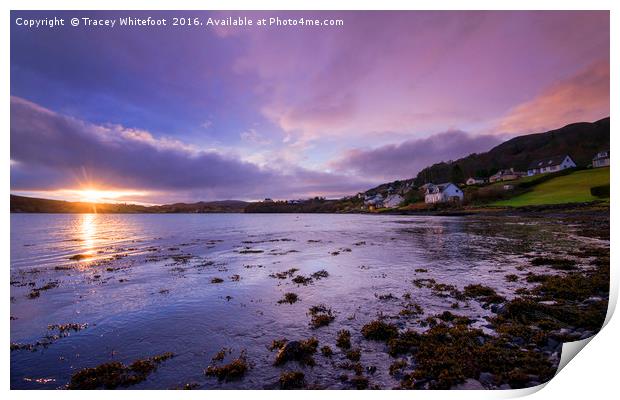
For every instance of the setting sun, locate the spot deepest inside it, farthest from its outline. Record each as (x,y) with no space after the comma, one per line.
(91,195)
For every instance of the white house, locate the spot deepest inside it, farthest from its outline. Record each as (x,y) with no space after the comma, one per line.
(375,201)
(601,159)
(393,200)
(551,164)
(474,181)
(506,175)
(443,193)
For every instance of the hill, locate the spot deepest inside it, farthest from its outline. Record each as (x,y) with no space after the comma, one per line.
(570,188)
(22,204)
(580,140)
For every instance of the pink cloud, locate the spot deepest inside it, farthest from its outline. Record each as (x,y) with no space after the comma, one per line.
(414,72)
(582,97)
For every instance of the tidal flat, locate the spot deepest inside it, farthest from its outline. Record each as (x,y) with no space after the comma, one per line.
(315,301)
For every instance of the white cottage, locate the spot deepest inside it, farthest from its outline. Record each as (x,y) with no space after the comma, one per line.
(551,164)
(601,159)
(375,201)
(443,193)
(474,181)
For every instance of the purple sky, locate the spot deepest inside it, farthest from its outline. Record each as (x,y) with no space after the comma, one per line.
(186,114)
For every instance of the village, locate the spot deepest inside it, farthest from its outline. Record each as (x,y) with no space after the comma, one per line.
(502,188)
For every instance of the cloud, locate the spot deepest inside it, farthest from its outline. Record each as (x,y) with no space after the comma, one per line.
(583,97)
(397,72)
(406,159)
(254,137)
(50,151)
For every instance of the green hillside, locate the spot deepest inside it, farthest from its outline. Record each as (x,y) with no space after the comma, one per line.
(580,140)
(572,188)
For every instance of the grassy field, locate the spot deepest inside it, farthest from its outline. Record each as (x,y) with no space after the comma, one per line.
(572,188)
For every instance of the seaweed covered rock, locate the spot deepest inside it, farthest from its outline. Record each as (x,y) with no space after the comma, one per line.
(301,351)
(379,330)
(446,356)
(115,374)
(234,370)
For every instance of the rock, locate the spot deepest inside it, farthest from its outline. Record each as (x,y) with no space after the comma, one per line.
(505,386)
(552,344)
(289,352)
(486,378)
(501,309)
(594,299)
(469,384)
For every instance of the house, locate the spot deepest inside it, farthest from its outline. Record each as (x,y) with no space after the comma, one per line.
(426,186)
(551,164)
(601,159)
(393,200)
(475,181)
(443,193)
(375,201)
(506,175)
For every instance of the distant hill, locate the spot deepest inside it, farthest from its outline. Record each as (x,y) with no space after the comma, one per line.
(580,140)
(22,204)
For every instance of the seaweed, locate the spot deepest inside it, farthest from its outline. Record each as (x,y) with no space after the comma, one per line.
(292,380)
(379,330)
(284,274)
(220,355)
(446,356)
(114,374)
(397,366)
(320,315)
(302,280)
(327,351)
(301,351)
(320,274)
(561,264)
(484,294)
(353,354)
(359,382)
(235,370)
(512,278)
(289,298)
(343,340)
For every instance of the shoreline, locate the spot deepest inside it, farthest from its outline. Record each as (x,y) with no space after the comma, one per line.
(453,212)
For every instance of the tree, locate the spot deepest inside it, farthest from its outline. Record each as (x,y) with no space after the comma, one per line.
(457,175)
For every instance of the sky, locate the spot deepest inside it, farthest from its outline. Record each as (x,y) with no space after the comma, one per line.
(156,115)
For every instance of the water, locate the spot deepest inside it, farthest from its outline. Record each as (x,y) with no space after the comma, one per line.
(144,286)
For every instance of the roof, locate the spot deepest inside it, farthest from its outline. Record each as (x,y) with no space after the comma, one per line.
(547,162)
(601,155)
(441,187)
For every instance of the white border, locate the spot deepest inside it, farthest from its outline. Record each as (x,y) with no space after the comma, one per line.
(593,374)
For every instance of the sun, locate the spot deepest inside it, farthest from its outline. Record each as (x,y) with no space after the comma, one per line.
(92,195)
